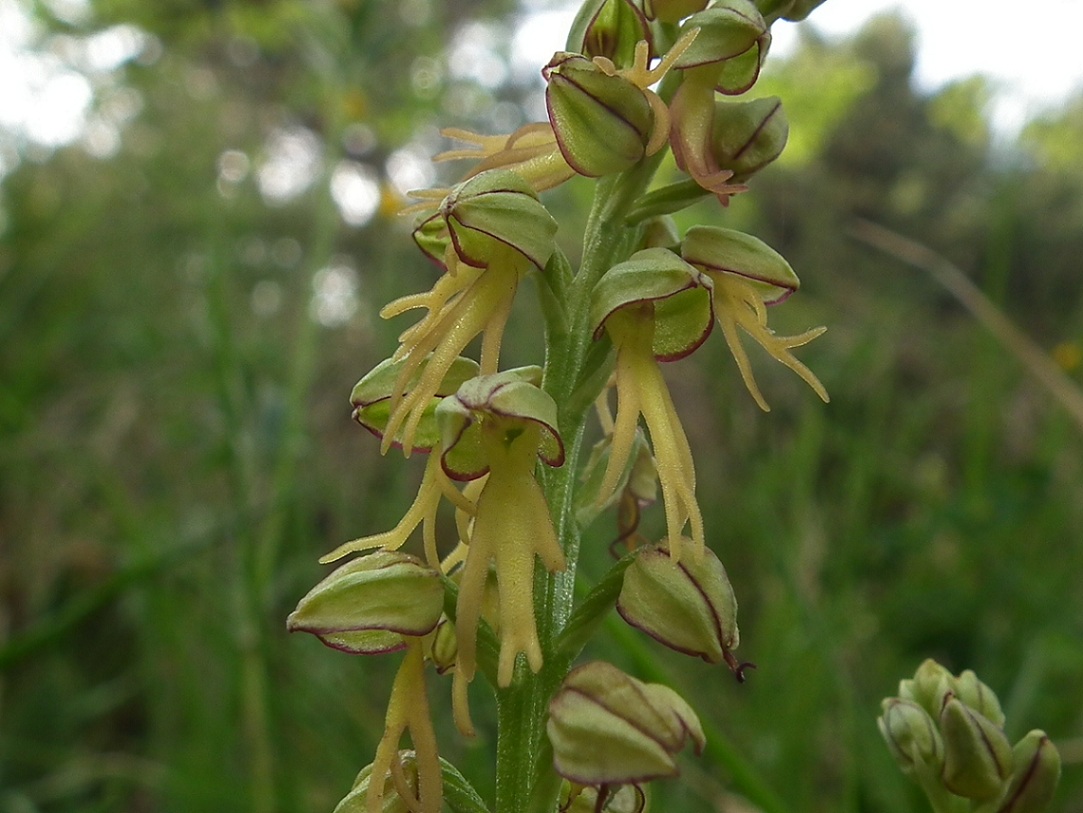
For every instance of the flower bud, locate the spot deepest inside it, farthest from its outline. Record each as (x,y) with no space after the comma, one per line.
(369,604)
(602,122)
(689,607)
(927,688)
(371,397)
(660,232)
(680,295)
(977,755)
(978,696)
(1035,775)
(609,28)
(732,42)
(444,646)
(727,251)
(747,136)
(911,736)
(492,212)
(609,728)
(773,9)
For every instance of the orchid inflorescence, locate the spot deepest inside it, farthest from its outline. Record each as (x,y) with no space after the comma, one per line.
(639,79)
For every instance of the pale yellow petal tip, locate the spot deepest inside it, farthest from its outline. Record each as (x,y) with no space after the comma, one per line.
(460,702)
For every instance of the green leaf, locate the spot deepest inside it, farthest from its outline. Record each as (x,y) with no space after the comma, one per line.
(459,794)
(590,613)
(666,200)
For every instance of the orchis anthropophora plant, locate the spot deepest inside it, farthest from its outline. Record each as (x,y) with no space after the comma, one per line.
(638,80)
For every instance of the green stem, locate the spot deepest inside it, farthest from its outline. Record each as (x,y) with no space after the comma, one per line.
(522,708)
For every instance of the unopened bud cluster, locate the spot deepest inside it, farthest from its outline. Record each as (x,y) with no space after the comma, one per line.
(947,733)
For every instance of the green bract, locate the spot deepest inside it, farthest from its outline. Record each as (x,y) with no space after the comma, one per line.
(673,11)
(371,397)
(725,251)
(976,695)
(609,728)
(487,215)
(513,396)
(459,796)
(602,122)
(732,42)
(679,294)
(1035,776)
(747,136)
(977,755)
(689,607)
(927,688)
(911,737)
(366,606)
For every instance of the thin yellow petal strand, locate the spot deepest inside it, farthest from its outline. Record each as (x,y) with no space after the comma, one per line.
(460,702)
(423,510)
(408,710)
(624,430)
(453,559)
(660,134)
(737,304)
(402,786)
(452,494)
(673,459)
(729,330)
(605,414)
(641,389)
(463,320)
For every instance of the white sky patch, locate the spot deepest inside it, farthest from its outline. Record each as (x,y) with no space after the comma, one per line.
(335,296)
(291,164)
(1030,50)
(473,55)
(538,36)
(355,188)
(58,113)
(411,168)
(49,82)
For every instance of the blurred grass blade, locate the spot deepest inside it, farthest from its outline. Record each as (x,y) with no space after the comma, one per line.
(1036,361)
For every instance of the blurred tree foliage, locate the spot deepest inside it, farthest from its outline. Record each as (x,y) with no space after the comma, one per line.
(182,315)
